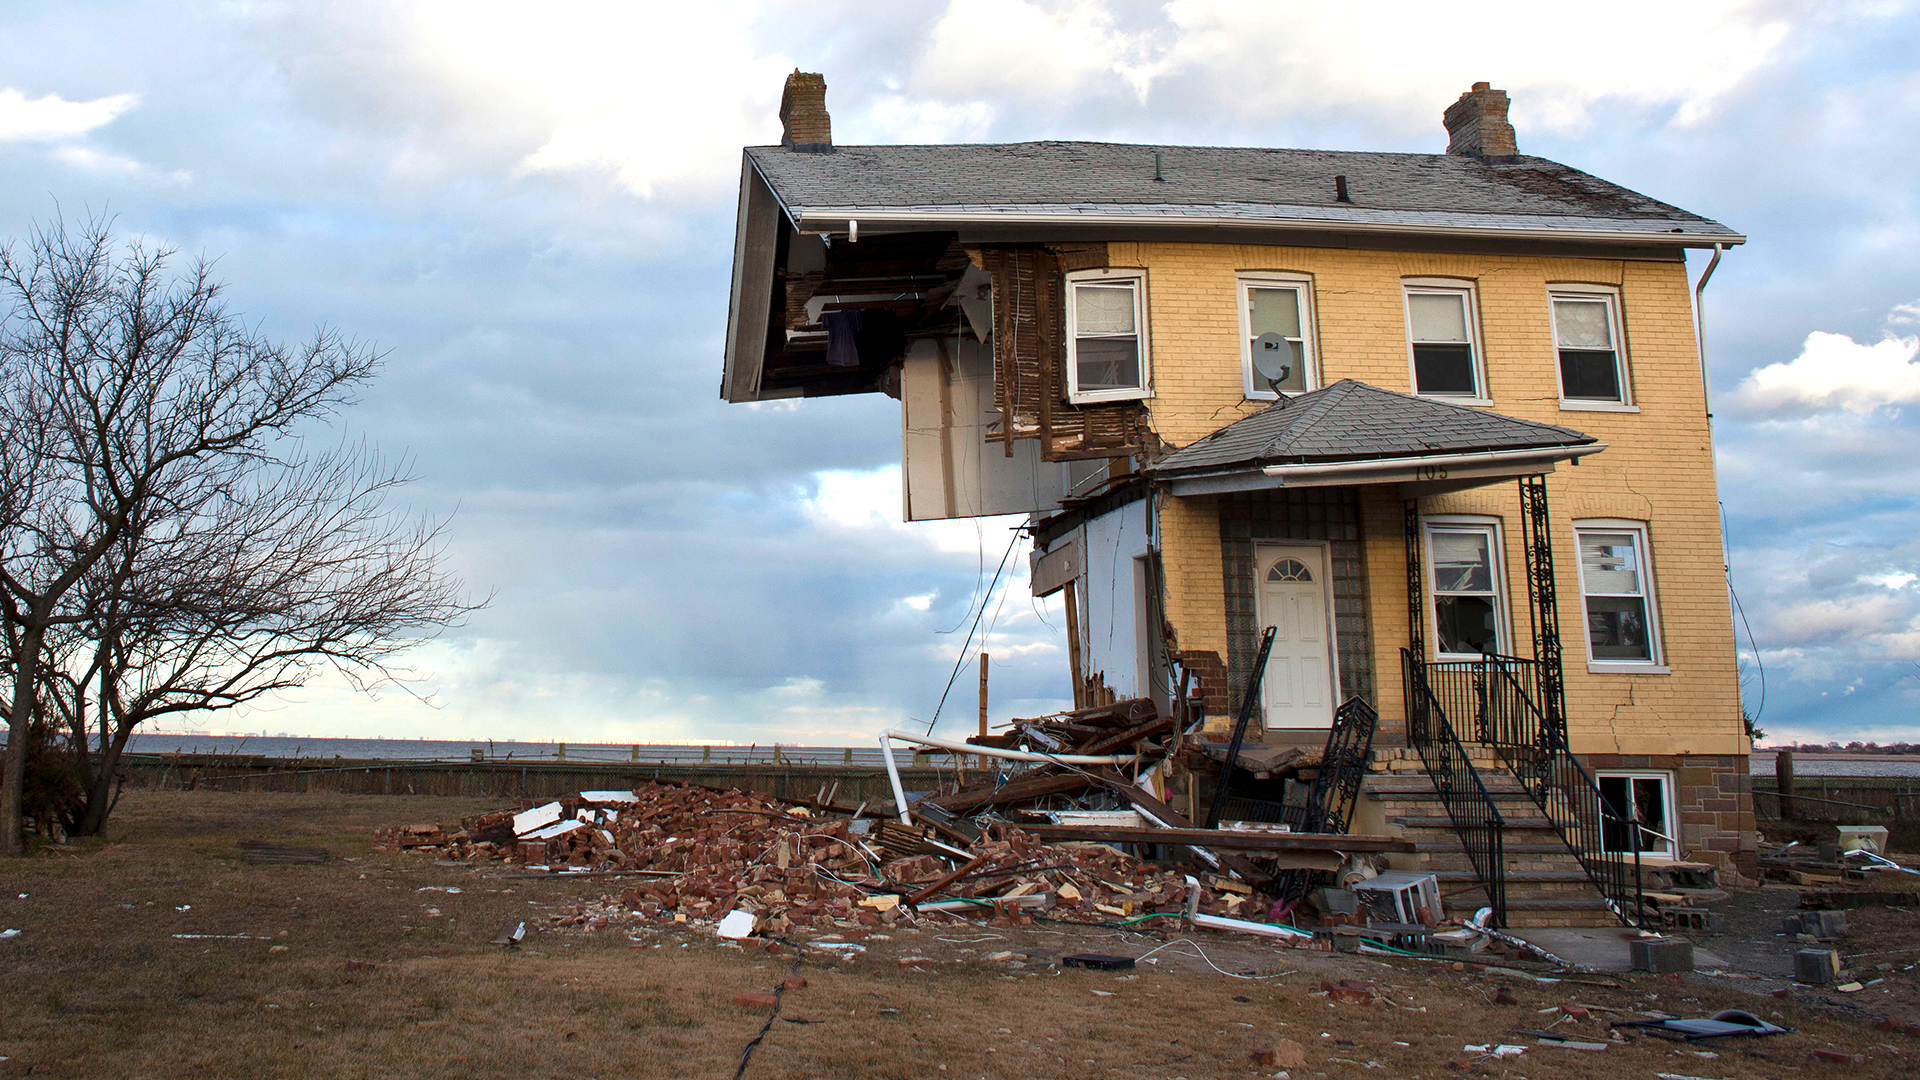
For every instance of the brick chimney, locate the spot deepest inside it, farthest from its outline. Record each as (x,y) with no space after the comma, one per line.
(1477,124)
(804,123)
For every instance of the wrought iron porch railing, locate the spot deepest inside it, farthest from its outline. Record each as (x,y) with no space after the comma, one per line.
(1475,818)
(1335,793)
(1506,696)
(1477,696)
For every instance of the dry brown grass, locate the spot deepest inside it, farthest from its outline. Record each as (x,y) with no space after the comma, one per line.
(99,986)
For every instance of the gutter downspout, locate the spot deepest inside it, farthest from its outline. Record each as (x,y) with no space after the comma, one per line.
(1700,328)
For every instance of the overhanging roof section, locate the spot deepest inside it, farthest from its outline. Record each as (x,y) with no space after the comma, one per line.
(1111,186)
(1353,433)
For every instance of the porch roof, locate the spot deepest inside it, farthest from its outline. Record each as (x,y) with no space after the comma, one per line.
(1353,433)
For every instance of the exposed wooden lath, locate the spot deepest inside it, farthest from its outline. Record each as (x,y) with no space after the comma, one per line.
(1029,360)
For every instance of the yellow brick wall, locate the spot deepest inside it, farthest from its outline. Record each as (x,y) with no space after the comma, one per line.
(1658,468)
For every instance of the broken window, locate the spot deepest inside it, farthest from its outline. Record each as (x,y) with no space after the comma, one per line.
(1586,337)
(1276,316)
(1446,362)
(1613,580)
(1636,799)
(1466,589)
(1105,358)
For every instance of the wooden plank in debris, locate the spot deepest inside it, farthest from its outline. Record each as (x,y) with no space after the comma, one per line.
(1147,803)
(1349,843)
(1029,787)
(1114,744)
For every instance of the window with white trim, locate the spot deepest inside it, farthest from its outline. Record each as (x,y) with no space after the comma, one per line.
(1106,337)
(1440,335)
(1276,313)
(1617,591)
(1586,341)
(1463,566)
(1642,803)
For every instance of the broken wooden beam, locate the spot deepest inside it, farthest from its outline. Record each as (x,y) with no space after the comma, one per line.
(1021,790)
(1114,744)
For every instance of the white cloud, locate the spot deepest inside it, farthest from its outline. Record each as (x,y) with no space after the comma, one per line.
(990,48)
(661,97)
(1264,59)
(116,166)
(1833,371)
(51,117)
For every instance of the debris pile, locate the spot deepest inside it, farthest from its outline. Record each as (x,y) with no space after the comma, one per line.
(696,855)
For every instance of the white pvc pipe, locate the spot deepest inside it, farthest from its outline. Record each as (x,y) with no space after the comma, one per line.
(1010,755)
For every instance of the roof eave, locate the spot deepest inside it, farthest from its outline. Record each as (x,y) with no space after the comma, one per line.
(1486,466)
(838,219)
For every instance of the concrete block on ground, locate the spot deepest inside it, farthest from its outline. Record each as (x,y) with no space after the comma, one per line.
(1661,955)
(1816,967)
(1825,925)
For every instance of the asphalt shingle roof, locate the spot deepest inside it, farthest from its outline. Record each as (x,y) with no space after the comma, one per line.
(1352,421)
(1109,179)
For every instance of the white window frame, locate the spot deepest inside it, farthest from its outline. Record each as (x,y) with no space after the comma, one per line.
(1655,664)
(1410,287)
(1669,840)
(1138,280)
(1502,624)
(1616,325)
(1251,383)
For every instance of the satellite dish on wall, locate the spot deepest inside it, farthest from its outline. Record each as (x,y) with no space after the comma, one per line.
(1273,359)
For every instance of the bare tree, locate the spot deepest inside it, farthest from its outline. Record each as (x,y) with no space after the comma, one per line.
(167,543)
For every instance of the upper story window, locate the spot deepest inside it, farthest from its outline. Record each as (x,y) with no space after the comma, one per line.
(1106,336)
(1276,324)
(1586,335)
(1618,595)
(1440,332)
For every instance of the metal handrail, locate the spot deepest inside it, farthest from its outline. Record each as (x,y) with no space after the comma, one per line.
(1462,793)
(1567,795)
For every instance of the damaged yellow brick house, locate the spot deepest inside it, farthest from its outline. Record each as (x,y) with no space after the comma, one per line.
(1438,420)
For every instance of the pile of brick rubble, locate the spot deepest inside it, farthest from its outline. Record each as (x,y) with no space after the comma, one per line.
(697,854)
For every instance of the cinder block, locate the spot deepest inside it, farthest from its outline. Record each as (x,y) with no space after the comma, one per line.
(1816,967)
(1661,955)
(1825,925)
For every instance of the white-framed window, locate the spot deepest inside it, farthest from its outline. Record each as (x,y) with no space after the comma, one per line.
(1444,349)
(1467,584)
(1276,314)
(1642,799)
(1106,336)
(1616,587)
(1589,349)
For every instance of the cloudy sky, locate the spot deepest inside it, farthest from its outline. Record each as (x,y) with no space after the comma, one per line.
(530,208)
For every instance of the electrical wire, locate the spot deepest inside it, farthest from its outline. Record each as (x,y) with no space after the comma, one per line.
(1197,950)
(961,659)
(1760,666)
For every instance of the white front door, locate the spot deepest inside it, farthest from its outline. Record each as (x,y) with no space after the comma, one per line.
(1291,583)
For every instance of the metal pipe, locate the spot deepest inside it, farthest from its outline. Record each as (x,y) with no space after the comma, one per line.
(900,794)
(1700,324)
(893,776)
(1010,755)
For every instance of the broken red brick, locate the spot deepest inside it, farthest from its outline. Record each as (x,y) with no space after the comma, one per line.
(1839,1057)
(1783,993)
(753,999)
(1502,997)
(1576,1012)
(794,982)
(359,965)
